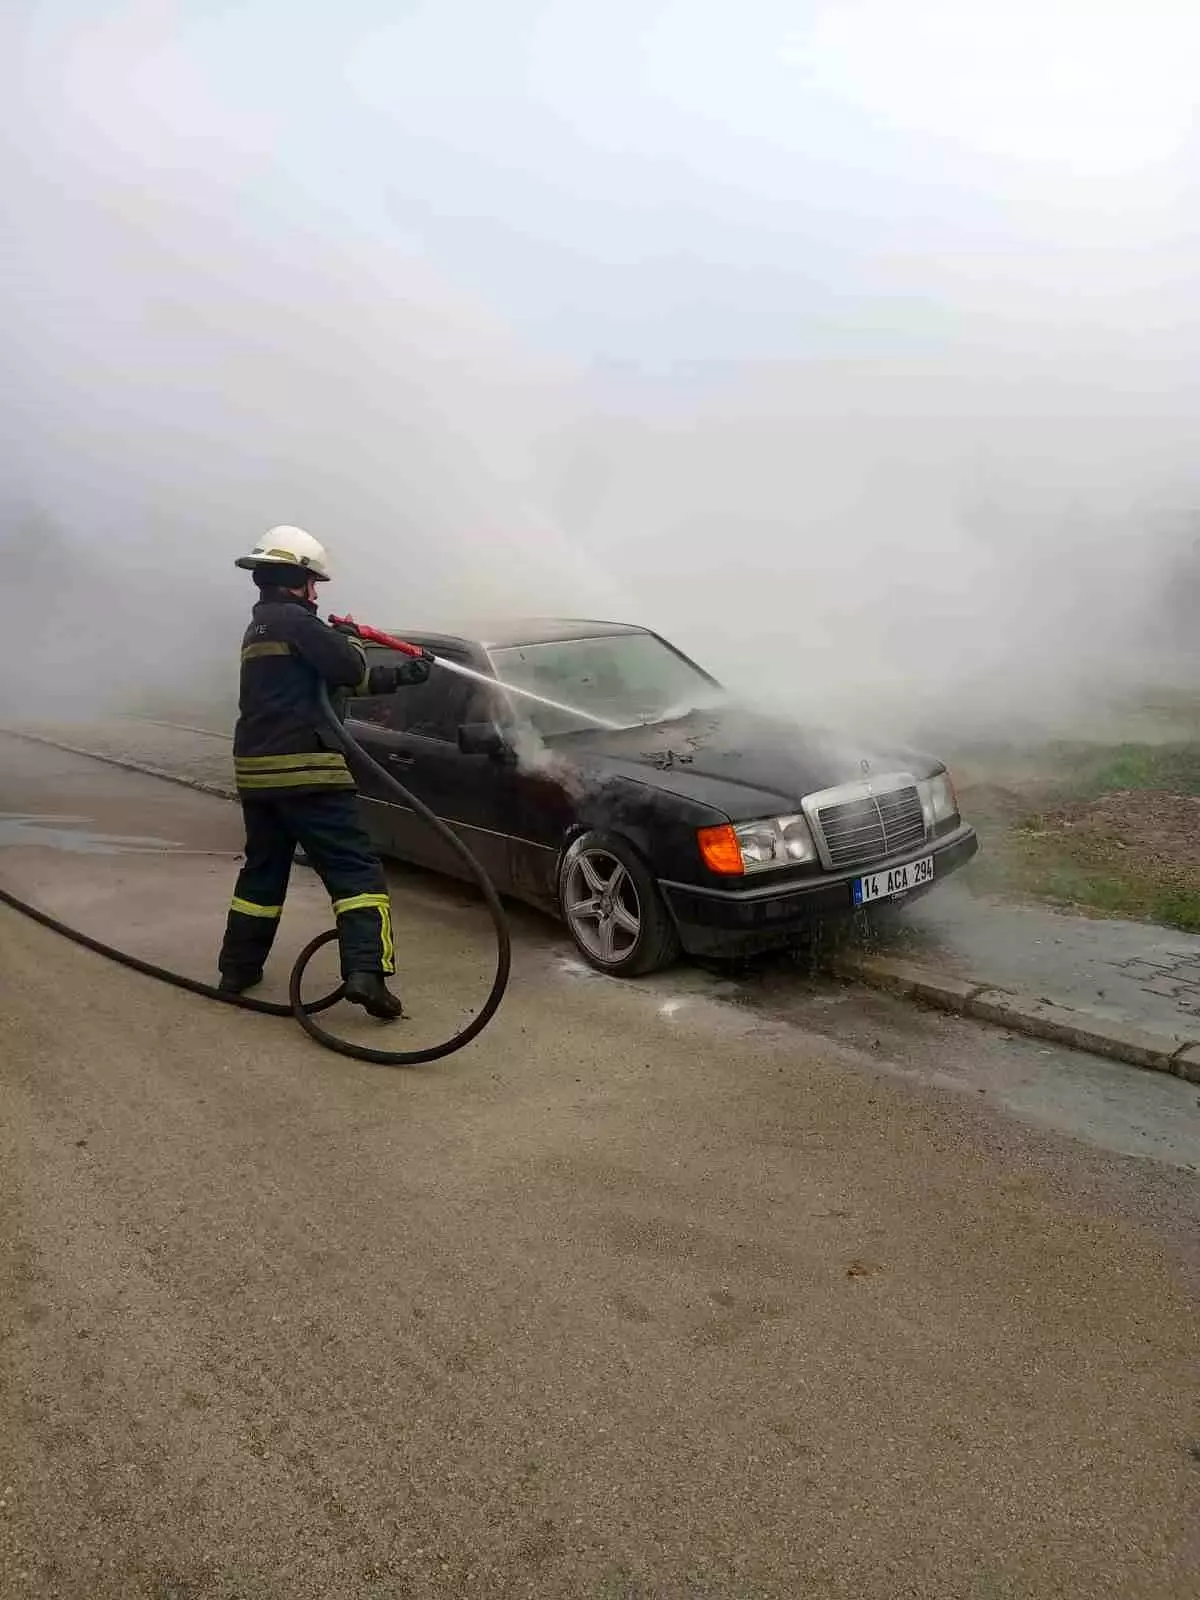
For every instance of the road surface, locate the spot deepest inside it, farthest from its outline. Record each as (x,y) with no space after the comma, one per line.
(678,1289)
(1130,972)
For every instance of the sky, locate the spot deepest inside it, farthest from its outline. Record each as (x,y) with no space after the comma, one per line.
(855,345)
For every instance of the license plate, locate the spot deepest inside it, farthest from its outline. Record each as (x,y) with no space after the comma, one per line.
(895,881)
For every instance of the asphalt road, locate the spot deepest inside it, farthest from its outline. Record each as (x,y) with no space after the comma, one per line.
(686,1288)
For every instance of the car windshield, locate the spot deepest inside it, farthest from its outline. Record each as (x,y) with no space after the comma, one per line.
(623,678)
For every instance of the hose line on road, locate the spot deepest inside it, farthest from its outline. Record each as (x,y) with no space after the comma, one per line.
(306,1012)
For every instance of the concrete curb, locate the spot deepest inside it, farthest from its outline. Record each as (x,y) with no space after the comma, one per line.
(119,761)
(1175,1053)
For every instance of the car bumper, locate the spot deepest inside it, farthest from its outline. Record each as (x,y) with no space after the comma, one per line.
(767,916)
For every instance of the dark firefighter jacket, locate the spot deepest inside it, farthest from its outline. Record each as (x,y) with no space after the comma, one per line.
(279,745)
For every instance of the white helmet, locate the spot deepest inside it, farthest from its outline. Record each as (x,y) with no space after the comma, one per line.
(288,547)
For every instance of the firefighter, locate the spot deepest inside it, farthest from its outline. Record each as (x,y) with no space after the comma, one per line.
(294,782)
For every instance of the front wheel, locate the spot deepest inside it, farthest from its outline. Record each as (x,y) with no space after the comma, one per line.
(613,909)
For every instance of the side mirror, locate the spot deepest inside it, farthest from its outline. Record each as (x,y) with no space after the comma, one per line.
(483,739)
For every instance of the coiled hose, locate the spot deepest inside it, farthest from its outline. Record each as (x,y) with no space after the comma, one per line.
(306,1013)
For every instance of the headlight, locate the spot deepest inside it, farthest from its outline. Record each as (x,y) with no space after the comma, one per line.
(938,799)
(755,846)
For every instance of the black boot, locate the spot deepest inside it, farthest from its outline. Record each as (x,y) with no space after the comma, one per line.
(368,990)
(239,982)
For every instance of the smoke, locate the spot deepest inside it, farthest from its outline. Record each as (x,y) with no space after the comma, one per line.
(536,759)
(861,362)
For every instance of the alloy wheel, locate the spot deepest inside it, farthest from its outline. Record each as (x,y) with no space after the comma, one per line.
(602,906)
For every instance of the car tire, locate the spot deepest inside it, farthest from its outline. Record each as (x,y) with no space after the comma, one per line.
(626,930)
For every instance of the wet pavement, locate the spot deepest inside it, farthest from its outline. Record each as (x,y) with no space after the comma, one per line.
(1107,1103)
(75,834)
(1129,971)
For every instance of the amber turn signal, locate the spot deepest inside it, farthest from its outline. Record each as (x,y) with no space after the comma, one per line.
(721,851)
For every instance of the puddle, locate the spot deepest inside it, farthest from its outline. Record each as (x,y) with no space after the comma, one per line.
(74,834)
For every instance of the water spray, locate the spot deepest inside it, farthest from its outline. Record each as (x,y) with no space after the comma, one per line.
(389,642)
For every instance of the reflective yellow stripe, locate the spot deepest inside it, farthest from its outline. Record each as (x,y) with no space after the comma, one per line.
(266,648)
(380,903)
(316,777)
(249,909)
(360,902)
(388,950)
(309,758)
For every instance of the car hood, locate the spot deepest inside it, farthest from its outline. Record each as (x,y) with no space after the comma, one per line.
(732,749)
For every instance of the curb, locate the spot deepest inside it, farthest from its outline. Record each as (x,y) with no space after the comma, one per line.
(1174,1053)
(125,766)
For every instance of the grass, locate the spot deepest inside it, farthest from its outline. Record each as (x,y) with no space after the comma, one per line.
(1047,869)
(1084,772)
(1043,836)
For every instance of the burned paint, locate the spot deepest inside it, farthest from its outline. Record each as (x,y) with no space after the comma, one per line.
(664,760)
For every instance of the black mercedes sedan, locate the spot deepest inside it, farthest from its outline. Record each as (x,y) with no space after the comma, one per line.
(600,774)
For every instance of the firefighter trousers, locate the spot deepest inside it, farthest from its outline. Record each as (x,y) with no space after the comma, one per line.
(336,843)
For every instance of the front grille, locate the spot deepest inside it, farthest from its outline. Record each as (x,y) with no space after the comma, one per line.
(872,827)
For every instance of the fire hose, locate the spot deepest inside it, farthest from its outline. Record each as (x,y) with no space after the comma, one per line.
(306,1012)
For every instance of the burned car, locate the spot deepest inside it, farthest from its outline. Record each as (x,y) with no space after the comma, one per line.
(599,773)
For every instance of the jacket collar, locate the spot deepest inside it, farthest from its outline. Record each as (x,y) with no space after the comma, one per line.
(281,597)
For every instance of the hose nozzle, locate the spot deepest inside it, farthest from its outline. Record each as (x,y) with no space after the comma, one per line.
(374,636)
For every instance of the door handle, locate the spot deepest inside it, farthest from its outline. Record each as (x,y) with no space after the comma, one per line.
(398,758)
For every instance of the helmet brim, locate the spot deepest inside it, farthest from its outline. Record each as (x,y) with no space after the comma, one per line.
(250,563)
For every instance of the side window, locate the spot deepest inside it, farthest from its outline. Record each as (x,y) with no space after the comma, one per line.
(435,709)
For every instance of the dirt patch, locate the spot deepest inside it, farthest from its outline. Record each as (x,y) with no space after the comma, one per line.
(1148,832)
(1110,829)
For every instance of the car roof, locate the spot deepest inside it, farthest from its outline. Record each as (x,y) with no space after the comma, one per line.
(497,635)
